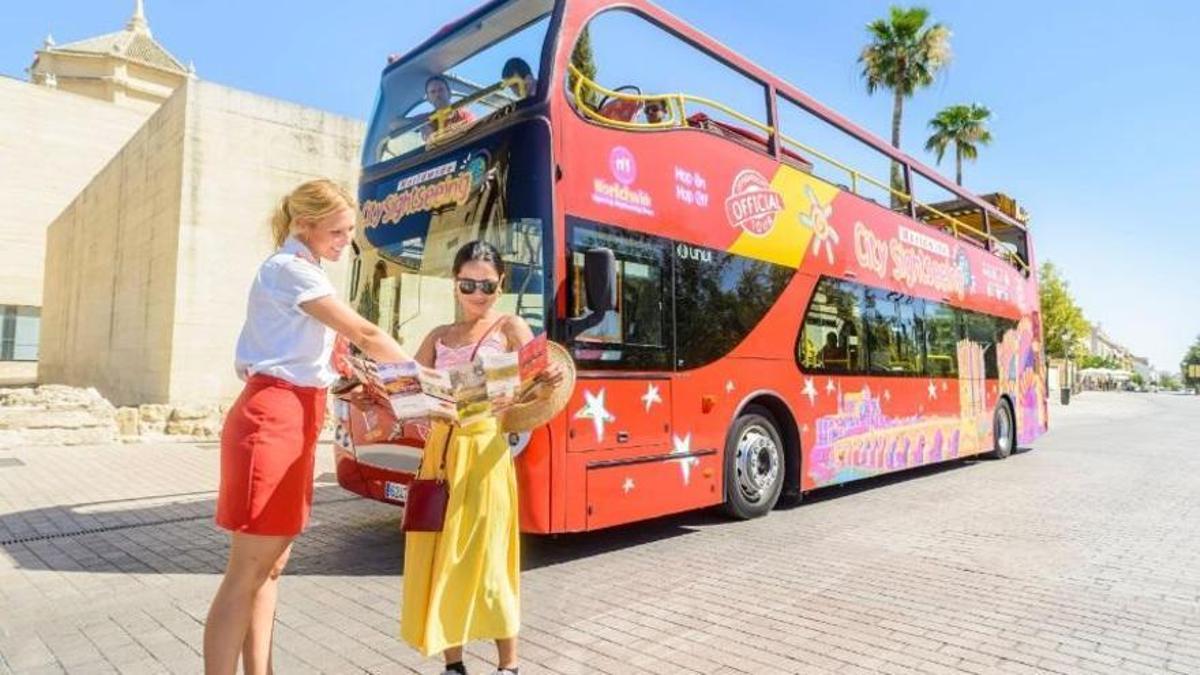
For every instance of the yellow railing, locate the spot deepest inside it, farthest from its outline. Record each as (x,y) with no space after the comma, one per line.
(678,118)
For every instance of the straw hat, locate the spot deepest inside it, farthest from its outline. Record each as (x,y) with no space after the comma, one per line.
(531,415)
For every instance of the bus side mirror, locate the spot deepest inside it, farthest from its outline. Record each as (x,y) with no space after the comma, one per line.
(600,289)
(600,279)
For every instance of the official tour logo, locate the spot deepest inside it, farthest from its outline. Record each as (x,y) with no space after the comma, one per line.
(752,203)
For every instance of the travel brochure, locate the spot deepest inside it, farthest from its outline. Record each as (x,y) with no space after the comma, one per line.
(394,393)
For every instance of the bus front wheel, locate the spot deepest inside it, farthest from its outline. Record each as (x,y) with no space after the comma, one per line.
(1004,431)
(754,466)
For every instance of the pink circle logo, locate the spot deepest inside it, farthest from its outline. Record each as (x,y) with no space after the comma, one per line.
(622,165)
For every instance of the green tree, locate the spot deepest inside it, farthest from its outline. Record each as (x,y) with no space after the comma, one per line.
(1192,358)
(904,55)
(1063,324)
(584,62)
(1096,361)
(1169,382)
(963,125)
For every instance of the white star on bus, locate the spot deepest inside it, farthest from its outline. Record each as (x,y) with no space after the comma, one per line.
(593,409)
(810,390)
(683,448)
(932,389)
(651,396)
(627,486)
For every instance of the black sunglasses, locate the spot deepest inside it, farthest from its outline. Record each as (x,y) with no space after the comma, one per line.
(469,286)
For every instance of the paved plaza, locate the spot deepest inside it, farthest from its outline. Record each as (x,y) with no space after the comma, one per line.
(1081,555)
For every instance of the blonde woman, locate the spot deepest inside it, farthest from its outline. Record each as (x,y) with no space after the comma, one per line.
(270,434)
(463,583)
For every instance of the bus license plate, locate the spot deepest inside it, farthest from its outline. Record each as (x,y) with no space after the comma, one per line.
(397,492)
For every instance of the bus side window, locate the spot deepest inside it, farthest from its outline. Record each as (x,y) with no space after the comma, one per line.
(941,341)
(636,332)
(895,332)
(832,339)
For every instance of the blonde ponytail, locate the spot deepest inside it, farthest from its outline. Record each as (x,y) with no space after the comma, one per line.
(312,200)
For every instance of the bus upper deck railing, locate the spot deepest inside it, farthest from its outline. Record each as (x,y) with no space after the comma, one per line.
(677,105)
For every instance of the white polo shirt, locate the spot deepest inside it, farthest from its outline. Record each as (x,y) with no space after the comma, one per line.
(279,339)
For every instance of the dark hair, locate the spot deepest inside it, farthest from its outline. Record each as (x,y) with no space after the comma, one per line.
(438,78)
(480,251)
(515,66)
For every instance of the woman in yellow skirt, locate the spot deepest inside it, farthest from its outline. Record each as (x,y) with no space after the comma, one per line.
(463,583)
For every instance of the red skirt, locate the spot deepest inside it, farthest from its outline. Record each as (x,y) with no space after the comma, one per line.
(268,447)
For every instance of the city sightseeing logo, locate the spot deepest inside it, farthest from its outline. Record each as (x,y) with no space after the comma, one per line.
(752,204)
(443,185)
(622,194)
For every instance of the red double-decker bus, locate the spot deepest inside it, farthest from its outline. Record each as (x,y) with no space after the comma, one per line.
(753,314)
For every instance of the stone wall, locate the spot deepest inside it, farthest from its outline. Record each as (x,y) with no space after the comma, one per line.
(111,270)
(148,270)
(52,143)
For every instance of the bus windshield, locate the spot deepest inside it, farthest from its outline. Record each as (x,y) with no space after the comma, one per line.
(415,220)
(464,79)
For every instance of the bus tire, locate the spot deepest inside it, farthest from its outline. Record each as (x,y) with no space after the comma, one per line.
(754,464)
(1004,431)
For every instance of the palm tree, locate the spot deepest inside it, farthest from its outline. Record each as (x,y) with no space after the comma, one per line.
(964,126)
(904,55)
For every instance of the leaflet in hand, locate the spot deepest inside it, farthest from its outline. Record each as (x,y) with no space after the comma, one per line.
(461,395)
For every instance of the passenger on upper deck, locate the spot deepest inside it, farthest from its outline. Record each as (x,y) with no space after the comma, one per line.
(437,92)
(656,111)
(519,68)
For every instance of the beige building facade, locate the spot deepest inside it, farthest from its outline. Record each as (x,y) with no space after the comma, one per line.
(139,200)
(148,269)
(51,144)
(84,100)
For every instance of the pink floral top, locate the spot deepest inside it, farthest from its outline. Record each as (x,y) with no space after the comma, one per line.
(449,357)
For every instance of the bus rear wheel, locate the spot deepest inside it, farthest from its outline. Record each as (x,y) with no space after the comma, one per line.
(1004,431)
(754,465)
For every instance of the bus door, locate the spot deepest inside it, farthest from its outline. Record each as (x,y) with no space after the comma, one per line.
(620,332)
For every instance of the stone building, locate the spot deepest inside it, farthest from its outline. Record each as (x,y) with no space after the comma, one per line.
(138,204)
(148,268)
(83,101)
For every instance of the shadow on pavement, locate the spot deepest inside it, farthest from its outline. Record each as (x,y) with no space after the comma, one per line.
(347,535)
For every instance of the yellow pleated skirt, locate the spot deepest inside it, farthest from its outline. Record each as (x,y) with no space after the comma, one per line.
(463,583)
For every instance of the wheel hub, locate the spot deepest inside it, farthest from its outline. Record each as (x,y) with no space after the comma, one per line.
(758,463)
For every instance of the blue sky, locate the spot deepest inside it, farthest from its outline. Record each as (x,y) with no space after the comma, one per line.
(1095,107)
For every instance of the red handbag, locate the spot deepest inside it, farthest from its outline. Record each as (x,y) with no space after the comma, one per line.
(425,508)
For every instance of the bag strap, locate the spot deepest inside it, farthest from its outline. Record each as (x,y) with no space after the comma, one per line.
(491,329)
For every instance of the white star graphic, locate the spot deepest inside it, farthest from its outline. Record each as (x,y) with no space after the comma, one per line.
(829,387)
(627,486)
(683,448)
(593,409)
(932,389)
(810,390)
(945,387)
(651,396)
(729,386)
(887,395)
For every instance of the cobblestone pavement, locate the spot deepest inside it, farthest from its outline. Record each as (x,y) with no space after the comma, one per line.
(1080,555)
